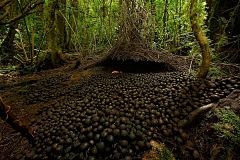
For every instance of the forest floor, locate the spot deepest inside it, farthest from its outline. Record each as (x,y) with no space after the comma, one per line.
(14,145)
(13,142)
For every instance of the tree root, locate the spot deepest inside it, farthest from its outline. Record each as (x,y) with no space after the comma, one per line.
(194,114)
(14,121)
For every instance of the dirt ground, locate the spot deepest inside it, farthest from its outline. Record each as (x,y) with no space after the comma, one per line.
(13,144)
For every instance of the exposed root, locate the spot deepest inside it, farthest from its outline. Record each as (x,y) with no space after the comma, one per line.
(16,123)
(191,117)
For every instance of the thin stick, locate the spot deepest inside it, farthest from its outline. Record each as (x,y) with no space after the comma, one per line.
(25,54)
(108,39)
(14,146)
(190,67)
(225,64)
(24,19)
(32,43)
(76,29)
(18,59)
(71,29)
(41,45)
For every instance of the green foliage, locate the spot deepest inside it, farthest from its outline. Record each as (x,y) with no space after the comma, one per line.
(94,25)
(26,89)
(200,11)
(166,154)
(228,128)
(46,2)
(228,131)
(215,72)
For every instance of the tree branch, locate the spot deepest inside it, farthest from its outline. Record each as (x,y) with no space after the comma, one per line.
(6,11)
(226,64)
(27,12)
(4,3)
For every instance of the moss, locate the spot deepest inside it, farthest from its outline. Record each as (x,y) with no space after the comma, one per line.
(26,89)
(215,72)
(28,81)
(166,154)
(228,131)
(158,152)
(2,86)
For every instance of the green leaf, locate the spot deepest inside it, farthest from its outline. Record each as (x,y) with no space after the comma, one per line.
(46,2)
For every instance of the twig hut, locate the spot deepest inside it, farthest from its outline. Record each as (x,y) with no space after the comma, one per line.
(132,51)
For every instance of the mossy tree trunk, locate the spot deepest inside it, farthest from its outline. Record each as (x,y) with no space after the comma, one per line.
(53,32)
(7,45)
(202,40)
(61,26)
(69,40)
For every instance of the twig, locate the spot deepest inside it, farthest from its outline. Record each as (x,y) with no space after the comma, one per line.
(71,29)
(20,16)
(77,30)
(25,54)
(13,147)
(226,64)
(32,43)
(25,24)
(18,59)
(190,67)
(41,45)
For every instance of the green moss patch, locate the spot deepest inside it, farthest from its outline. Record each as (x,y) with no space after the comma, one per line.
(26,89)
(228,132)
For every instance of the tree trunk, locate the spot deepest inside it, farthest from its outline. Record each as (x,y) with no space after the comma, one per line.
(211,9)
(202,40)
(52,36)
(70,41)
(7,45)
(61,28)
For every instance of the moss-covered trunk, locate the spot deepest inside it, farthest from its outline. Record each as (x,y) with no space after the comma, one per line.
(61,26)
(7,45)
(53,32)
(202,40)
